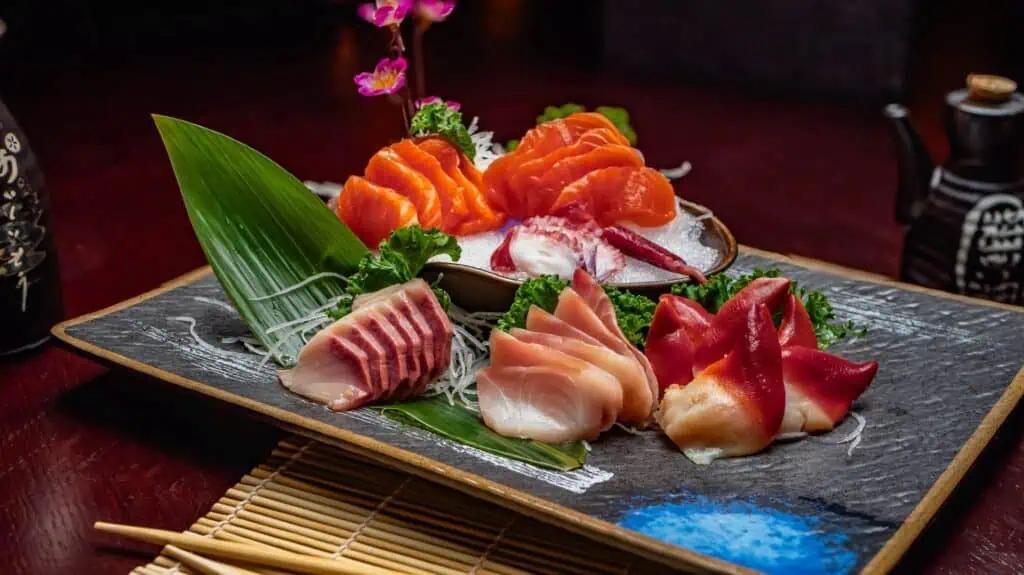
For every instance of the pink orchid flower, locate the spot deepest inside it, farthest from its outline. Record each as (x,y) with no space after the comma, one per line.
(434,10)
(387,78)
(435,100)
(384,13)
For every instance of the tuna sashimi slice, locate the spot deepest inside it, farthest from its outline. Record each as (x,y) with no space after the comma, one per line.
(820,387)
(635,407)
(735,407)
(450,194)
(615,194)
(372,212)
(388,169)
(396,350)
(534,392)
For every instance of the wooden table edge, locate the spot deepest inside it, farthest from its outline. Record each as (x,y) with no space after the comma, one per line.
(882,562)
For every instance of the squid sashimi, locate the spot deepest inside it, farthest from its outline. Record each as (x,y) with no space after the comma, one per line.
(372,212)
(735,406)
(368,355)
(532,391)
(592,293)
(672,339)
(820,387)
(388,169)
(620,193)
(719,337)
(548,245)
(629,373)
(449,193)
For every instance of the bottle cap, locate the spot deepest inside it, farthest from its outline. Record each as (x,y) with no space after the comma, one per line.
(987,88)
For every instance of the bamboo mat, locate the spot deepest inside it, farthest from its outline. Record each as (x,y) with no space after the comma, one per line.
(315,499)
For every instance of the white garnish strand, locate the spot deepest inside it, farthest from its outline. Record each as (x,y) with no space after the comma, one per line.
(326,190)
(856,442)
(252,344)
(676,173)
(627,429)
(470,354)
(486,150)
(853,435)
(586,445)
(301,284)
(791,436)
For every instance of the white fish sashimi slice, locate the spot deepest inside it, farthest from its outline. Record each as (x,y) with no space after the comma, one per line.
(636,404)
(595,296)
(546,403)
(537,392)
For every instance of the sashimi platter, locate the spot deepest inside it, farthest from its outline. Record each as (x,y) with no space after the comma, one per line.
(717,421)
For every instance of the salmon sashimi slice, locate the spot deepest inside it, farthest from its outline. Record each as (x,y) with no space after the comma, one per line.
(449,192)
(585,121)
(529,173)
(388,169)
(532,391)
(563,172)
(640,195)
(372,212)
(636,406)
(481,215)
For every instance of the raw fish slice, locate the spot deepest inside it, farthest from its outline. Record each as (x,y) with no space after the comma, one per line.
(453,202)
(574,310)
(537,143)
(541,321)
(396,350)
(541,197)
(388,169)
(582,122)
(372,212)
(439,324)
(428,363)
(616,194)
(636,404)
(820,387)
(734,407)
(528,175)
(414,345)
(672,339)
(728,323)
(332,371)
(362,338)
(598,300)
(535,392)
(482,216)
(796,327)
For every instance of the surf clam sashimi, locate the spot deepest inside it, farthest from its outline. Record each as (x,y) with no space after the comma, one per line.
(392,344)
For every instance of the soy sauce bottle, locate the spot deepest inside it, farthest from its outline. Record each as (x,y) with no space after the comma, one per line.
(30,290)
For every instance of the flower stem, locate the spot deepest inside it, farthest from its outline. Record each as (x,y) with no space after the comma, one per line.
(418,58)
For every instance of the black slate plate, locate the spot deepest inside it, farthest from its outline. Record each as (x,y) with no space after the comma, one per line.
(949,377)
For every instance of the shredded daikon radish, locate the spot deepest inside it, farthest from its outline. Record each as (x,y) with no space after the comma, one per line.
(586,445)
(470,351)
(301,284)
(676,173)
(856,442)
(853,435)
(627,429)
(486,150)
(791,436)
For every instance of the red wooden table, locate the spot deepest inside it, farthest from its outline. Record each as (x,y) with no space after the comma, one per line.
(79,443)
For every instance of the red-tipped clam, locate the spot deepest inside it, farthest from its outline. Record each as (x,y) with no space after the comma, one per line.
(673,336)
(735,406)
(796,327)
(820,387)
(718,339)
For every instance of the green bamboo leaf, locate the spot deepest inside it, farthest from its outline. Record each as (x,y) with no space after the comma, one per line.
(459,424)
(261,230)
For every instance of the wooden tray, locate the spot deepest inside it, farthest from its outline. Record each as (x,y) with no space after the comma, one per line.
(950,375)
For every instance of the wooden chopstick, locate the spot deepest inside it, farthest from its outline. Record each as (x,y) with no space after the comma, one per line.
(200,564)
(243,552)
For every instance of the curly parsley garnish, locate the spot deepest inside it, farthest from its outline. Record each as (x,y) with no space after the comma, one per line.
(438,118)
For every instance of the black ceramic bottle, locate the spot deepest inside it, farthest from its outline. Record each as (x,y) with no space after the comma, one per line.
(30,290)
(966,218)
